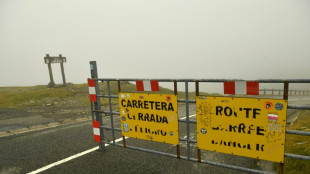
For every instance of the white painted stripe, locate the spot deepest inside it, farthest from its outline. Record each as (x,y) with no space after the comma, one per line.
(92,90)
(147,85)
(240,87)
(70,158)
(80,154)
(96,131)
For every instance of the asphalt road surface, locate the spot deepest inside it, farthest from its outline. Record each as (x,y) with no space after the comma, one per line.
(58,150)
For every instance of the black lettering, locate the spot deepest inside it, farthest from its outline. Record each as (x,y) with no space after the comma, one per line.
(229,112)
(163,133)
(146,105)
(140,116)
(247,112)
(241,128)
(146,117)
(219,110)
(163,106)
(136,128)
(129,104)
(140,104)
(250,129)
(129,116)
(170,107)
(255,112)
(232,128)
(158,119)
(152,118)
(157,104)
(165,120)
(123,103)
(134,103)
(259,131)
(152,104)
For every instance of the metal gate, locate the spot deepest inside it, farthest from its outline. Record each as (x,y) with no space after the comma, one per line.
(188,141)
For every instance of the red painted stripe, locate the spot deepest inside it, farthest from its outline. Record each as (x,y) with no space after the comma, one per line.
(154,85)
(139,84)
(93,97)
(96,124)
(229,87)
(97,138)
(252,88)
(91,83)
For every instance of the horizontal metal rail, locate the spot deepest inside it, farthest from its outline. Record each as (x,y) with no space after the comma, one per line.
(210,80)
(298,107)
(296,132)
(297,156)
(191,159)
(106,96)
(190,140)
(190,121)
(110,128)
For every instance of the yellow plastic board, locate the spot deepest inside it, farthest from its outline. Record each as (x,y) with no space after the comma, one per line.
(242,126)
(149,116)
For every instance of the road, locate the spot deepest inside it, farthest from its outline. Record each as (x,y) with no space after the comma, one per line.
(30,151)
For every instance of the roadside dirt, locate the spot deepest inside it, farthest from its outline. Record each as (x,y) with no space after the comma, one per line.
(14,121)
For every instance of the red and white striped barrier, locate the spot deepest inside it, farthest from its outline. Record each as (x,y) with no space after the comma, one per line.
(147,85)
(241,87)
(96,131)
(92,90)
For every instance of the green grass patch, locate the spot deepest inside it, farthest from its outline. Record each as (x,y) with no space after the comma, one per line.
(19,97)
(298,144)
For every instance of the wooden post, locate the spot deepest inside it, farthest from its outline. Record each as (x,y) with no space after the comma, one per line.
(51,83)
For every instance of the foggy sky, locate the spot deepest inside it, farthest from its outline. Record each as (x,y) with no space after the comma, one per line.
(244,39)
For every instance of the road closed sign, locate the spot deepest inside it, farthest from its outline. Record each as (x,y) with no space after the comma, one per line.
(242,126)
(149,117)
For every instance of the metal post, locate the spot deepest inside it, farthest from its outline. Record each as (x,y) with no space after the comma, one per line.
(187,121)
(197,94)
(111,115)
(285,97)
(94,75)
(119,90)
(176,93)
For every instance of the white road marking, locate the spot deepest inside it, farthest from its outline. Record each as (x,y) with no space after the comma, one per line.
(70,158)
(80,154)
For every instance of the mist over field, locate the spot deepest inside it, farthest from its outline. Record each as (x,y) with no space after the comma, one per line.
(238,39)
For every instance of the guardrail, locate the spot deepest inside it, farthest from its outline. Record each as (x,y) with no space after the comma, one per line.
(97,116)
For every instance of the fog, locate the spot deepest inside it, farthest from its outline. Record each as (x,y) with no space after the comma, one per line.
(240,39)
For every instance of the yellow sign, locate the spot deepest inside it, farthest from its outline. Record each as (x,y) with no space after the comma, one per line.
(150,117)
(242,126)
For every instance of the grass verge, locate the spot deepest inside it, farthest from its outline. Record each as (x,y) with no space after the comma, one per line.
(298,144)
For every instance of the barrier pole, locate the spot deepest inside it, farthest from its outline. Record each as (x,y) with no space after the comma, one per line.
(197,94)
(176,93)
(119,90)
(94,75)
(285,97)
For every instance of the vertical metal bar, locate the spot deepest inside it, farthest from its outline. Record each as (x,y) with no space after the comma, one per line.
(285,97)
(187,121)
(111,116)
(176,93)
(119,90)
(94,75)
(197,94)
